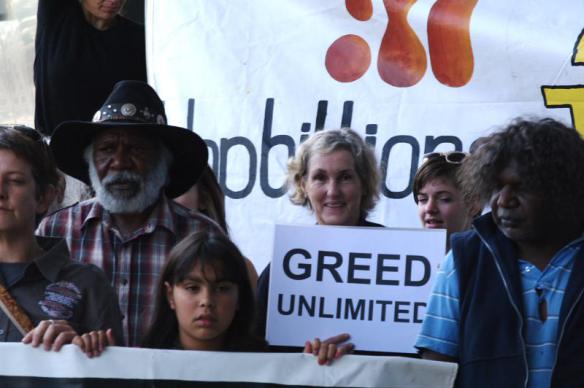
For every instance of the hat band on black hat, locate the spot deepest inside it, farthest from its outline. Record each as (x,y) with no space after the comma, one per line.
(128,112)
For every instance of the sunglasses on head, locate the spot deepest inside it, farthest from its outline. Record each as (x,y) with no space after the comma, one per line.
(453,157)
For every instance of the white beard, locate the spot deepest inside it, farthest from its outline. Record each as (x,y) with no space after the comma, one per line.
(141,191)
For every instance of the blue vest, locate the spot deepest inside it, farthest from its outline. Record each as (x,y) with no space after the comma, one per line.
(492,350)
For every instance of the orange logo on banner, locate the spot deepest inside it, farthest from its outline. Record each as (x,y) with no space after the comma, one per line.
(401,60)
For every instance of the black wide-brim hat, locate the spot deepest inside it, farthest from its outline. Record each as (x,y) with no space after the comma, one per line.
(132,104)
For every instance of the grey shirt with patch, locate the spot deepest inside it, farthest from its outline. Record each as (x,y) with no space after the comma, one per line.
(52,286)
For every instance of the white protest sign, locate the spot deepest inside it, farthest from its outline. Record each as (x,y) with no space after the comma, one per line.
(370,282)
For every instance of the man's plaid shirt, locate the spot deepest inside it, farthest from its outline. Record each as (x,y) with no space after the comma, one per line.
(133,263)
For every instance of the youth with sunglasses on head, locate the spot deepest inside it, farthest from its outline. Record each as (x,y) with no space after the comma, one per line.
(437,194)
(53,300)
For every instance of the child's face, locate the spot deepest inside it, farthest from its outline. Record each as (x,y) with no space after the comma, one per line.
(205,307)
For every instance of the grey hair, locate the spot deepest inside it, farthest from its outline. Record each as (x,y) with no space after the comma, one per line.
(325,142)
(149,185)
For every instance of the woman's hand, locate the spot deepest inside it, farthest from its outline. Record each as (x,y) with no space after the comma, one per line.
(95,342)
(53,334)
(330,349)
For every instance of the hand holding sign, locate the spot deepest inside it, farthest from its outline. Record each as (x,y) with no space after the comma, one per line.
(363,281)
(329,349)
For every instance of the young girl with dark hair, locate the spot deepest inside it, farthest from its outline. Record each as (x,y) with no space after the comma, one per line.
(204,299)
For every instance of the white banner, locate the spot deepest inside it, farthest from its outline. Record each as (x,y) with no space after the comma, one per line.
(24,366)
(255,78)
(370,282)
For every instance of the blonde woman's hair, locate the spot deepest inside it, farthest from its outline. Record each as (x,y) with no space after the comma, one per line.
(324,142)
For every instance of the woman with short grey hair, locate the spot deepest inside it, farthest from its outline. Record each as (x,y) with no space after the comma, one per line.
(334,173)
(330,143)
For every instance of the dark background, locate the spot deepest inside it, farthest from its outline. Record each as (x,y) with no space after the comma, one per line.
(134,9)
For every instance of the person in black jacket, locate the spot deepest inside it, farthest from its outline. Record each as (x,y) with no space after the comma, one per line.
(507,304)
(83,48)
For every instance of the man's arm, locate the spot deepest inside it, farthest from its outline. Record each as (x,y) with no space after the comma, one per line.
(438,339)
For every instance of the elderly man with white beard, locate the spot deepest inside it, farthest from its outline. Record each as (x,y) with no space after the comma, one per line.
(135,162)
